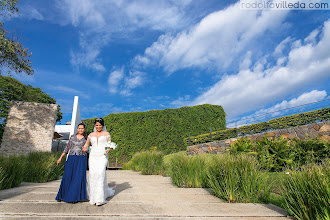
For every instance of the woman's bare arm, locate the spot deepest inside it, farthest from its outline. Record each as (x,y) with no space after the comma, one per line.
(85,147)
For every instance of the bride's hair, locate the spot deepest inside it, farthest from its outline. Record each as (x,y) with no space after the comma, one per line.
(100,120)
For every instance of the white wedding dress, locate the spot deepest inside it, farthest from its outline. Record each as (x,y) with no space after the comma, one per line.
(97,185)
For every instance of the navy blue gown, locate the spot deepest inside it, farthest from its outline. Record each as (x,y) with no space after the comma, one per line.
(73,184)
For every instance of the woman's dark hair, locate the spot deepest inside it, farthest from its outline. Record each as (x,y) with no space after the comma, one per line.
(85,134)
(100,120)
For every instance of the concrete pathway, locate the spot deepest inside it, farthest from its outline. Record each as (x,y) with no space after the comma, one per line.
(137,197)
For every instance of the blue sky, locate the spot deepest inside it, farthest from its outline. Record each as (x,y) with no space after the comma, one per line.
(126,56)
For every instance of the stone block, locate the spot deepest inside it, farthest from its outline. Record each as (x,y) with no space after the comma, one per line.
(325,128)
(286,135)
(200,151)
(316,127)
(301,132)
(312,133)
(283,131)
(325,137)
(205,149)
(260,138)
(30,127)
(232,144)
(292,135)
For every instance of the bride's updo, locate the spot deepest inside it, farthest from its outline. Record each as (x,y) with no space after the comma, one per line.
(99,120)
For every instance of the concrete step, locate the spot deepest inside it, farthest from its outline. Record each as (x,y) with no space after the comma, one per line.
(137,197)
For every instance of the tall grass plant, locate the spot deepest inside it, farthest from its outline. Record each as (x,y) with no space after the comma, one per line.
(36,167)
(148,162)
(237,178)
(189,171)
(306,193)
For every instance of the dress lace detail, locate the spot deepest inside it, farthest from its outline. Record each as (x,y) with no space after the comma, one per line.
(74,146)
(98,189)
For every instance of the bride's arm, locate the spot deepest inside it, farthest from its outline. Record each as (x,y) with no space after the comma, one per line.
(108,143)
(85,147)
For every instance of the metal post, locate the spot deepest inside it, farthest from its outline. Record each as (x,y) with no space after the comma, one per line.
(189,140)
(211,134)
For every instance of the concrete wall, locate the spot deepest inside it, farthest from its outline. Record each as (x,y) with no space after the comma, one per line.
(30,127)
(321,130)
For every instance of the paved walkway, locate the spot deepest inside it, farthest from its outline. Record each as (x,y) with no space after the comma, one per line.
(137,197)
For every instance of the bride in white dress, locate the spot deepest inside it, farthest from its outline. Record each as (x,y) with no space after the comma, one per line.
(97,185)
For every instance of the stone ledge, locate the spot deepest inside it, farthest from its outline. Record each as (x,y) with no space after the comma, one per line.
(321,130)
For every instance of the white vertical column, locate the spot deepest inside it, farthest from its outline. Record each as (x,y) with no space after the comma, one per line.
(76,119)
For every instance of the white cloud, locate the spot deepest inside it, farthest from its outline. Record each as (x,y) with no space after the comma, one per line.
(114,79)
(252,88)
(215,41)
(305,98)
(98,21)
(279,49)
(293,106)
(135,79)
(30,12)
(119,82)
(181,101)
(72,91)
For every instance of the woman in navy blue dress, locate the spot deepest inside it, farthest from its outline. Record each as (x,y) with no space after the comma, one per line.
(73,184)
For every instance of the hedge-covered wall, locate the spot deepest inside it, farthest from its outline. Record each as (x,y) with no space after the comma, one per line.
(161,129)
(274,124)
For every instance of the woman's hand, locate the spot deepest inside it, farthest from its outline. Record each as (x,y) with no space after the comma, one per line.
(107,151)
(59,160)
(85,148)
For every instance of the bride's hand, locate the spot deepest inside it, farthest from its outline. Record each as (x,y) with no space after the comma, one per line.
(85,148)
(107,151)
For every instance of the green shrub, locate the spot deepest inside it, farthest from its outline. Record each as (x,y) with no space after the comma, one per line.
(42,167)
(148,162)
(243,145)
(36,167)
(312,150)
(12,171)
(279,154)
(164,129)
(189,171)
(275,155)
(238,179)
(306,193)
(167,161)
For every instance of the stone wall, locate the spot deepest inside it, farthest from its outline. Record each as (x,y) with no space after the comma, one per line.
(30,127)
(321,130)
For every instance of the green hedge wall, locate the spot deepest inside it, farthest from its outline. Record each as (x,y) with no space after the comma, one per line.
(274,124)
(160,129)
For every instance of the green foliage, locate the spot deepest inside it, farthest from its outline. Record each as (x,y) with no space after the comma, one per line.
(237,178)
(41,167)
(148,162)
(306,193)
(274,124)
(8,8)
(13,56)
(36,167)
(312,150)
(164,129)
(279,154)
(189,171)
(13,90)
(11,171)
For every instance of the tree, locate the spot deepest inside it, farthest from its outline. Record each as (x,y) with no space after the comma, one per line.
(13,90)
(13,56)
